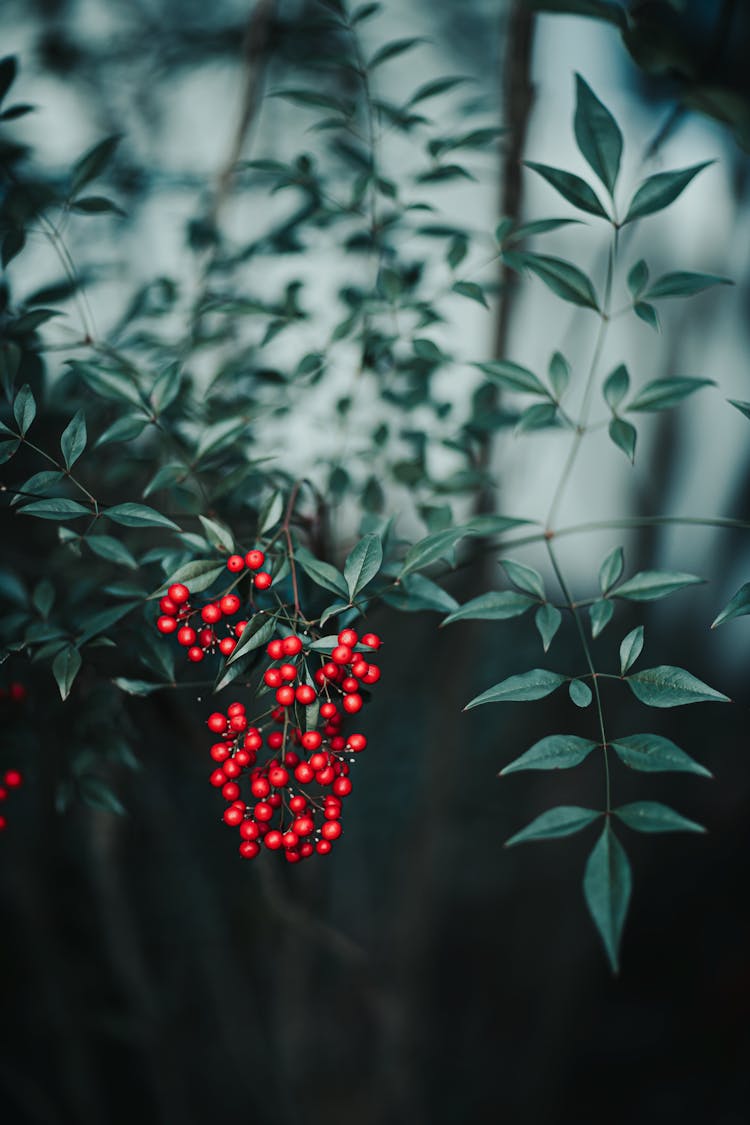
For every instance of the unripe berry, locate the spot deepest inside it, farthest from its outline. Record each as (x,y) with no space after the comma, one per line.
(305,694)
(291,645)
(211,613)
(179,593)
(249,848)
(227,645)
(255,559)
(229,604)
(235,563)
(166,605)
(288,672)
(195,654)
(262,580)
(348,637)
(342,654)
(331,830)
(166,624)
(186,636)
(352,703)
(233,816)
(285,696)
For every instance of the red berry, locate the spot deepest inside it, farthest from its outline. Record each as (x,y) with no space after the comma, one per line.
(166,605)
(273,839)
(249,848)
(13,778)
(356,742)
(338,743)
(304,825)
(304,773)
(278,776)
(292,645)
(217,722)
(331,830)
(229,604)
(276,740)
(311,740)
(297,804)
(260,787)
(306,849)
(230,791)
(359,668)
(166,624)
(211,613)
(239,628)
(255,559)
(318,761)
(206,638)
(231,768)
(352,703)
(372,675)
(195,654)
(285,696)
(243,758)
(323,847)
(371,640)
(342,786)
(227,645)
(17,691)
(186,636)
(290,839)
(219,751)
(330,670)
(249,830)
(288,672)
(262,580)
(253,741)
(218,778)
(179,593)
(235,563)
(235,709)
(275,649)
(292,855)
(348,637)
(342,654)
(238,723)
(305,694)
(328,710)
(233,816)
(272,677)
(349,684)
(263,811)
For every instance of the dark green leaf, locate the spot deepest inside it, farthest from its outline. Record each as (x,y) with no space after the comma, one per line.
(666,686)
(43,597)
(638,279)
(737,606)
(624,435)
(73,440)
(537,417)
(616,386)
(527,230)
(471,290)
(24,409)
(258,632)
(432,89)
(98,795)
(650,753)
(611,569)
(99,622)
(8,71)
(362,564)
(525,577)
(597,134)
(571,187)
(513,377)
(562,277)
(648,585)
(527,686)
(217,535)
(562,821)
(682,283)
(631,648)
(600,614)
(96,205)
(556,752)
(7,449)
(65,668)
(54,508)
(580,693)
(416,592)
(137,687)
(607,885)
(138,515)
(321,573)
(497,605)
(647,313)
(392,50)
(652,816)
(197,575)
(660,190)
(661,394)
(111,549)
(127,428)
(559,374)
(547,620)
(92,163)
(743,407)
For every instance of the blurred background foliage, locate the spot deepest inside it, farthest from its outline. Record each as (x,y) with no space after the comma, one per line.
(421,974)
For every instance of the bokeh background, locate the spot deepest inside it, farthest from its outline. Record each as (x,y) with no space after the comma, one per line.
(421,974)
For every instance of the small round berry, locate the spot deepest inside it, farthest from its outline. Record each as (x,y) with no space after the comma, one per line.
(304,773)
(217,722)
(304,825)
(235,709)
(278,776)
(233,816)
(275,649)
(219,751)
(227,645)
(318,761)
(348,637)
(263,811)
(297,804)
(229,604)
(249,830)
(211,613)
(292,855)
(253,741)
(275,740)
(291,645)
(359,668)
(330,670)
(238,723)
(288,672)
(186,636)
(254,560)
(273,839)
(372,675)
(166,624)
(305,694)
(331,830)
(356,742)
(349,684)
(3,823)
(179,593)
(323,847)
(195,654)
(328,710)
(306,849)
(342,654)
(272,677)
(206,638)
(166,605)
(243,758)
(239,628)
(311,740)
(274,800)
(13,778)
(232,769)
(218,778)
(338,743)
(371,640)
(285,696)
(319,676)
(260,787)
(249,848)
(325,776)
(235,563)
(352,703)
(290,839)
(230,791)
(262,580)
(17,691)
(342,786)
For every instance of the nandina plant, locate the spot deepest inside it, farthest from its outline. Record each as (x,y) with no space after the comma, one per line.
(231,566)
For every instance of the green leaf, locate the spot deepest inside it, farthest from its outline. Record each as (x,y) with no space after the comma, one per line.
(666,686)
(256,633)
(471,290)
(556,752)
(98,795)
(24,409)
(7,449)
(648,585)
(526,230)
(527,686)
(600,614)
(8,71)
(127,428)
(321,573)
(525,577)
(217,535)
(738,404)
(607,884)
(537,417)
(737,606)
(392,50)
(107,547)
(137,687)
(432,89)
(166,387)
(647,313)
(99,622)
(637,279)
(547,620)
(658,191)
(197,575)
(92,163)
(271,513)
(96,205)
(597,134)
(497,605)
(362,564)
(43,597)
(65,668)
(624,435)
(73,440)
(513,377)
(571,187)
(650,753)
(631,648)
(616,386)
(652,816)
(611,569)
(683,283)
(138,515)
(551,825)
(562,277)
(55,508)
(416,592)
(580,693)
(559,374)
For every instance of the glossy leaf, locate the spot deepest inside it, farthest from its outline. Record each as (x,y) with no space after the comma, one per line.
(648,585)
(73,440)
(513,377)
(571,187)
(559,374)
(611,569)
(562,821)
(580,693)
(537,417)
(737,606)
(652,816)
(597,134)
(625,436)
(525,577)
(65,668)
(271,513)
(616,386)
(666,686)
(547,620)
(197,575)
(417,592)
(631,648)
(648,314)
(556,752)
(138,515)
(54,508)
(525,687)
(652,753)
(497,605)
(661,189)
(607,886)
(683,283)
(258,632)
(127,428)
(107,547)
(562,277)
(600,614)
(363,563)
(217,535)
(321,573)
(24,409)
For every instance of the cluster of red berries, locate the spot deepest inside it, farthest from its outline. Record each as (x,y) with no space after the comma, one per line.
(12,779)
(297,793)
(201,638)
